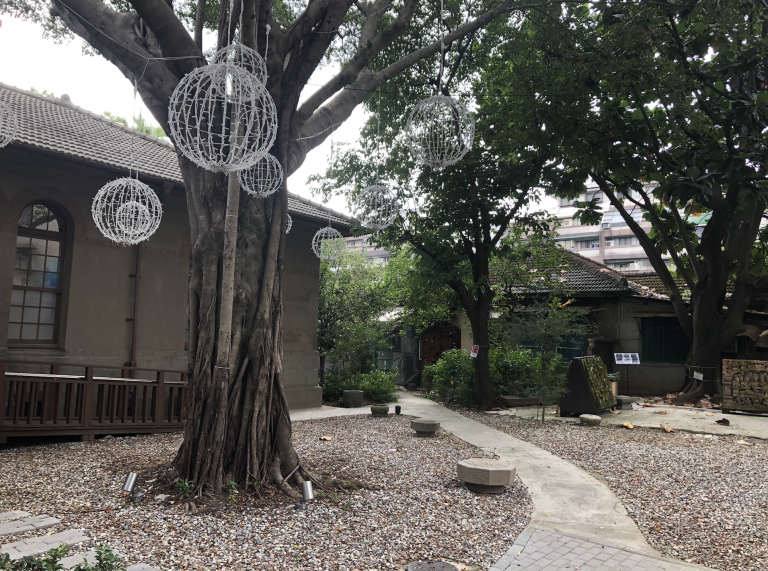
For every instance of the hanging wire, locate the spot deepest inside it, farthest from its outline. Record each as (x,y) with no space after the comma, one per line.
(442,50)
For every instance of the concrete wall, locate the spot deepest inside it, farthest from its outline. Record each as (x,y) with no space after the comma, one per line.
(98,292)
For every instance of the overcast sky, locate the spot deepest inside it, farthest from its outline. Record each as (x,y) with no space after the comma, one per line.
(96,85)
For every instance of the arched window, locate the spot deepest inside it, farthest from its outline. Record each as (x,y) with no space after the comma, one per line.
(37,266)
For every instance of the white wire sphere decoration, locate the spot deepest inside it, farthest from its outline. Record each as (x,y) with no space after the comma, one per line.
(328,244)
(262,179)
(440,131)
(8,124)
(289,225)
(222,118)
(126,211)
(245,57)
(376,207)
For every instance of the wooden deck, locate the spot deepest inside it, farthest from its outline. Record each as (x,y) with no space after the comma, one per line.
(36,399)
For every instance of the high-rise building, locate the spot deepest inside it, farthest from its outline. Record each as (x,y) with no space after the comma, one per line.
(611,242)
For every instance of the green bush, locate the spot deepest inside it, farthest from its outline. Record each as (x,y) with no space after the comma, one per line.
(513,373)
(452,378)
(336,382)
(379,386)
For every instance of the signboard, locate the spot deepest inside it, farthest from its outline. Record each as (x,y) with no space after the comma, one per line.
(698,376)
(474,351)
(627,358)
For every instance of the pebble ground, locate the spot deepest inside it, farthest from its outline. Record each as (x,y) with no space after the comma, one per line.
(697,498)
(422,512)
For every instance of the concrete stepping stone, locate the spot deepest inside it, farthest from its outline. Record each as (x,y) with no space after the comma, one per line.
(485,475)
(37,545)
(90,557)
(72,560)
(425,426)
(27,524)
(8,516)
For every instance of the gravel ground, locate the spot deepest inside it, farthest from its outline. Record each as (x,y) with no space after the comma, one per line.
(422,512)
(698,498)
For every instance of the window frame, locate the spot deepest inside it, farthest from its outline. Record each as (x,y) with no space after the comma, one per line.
(59,237)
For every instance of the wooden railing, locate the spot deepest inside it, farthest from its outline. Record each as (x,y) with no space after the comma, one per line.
(37,400)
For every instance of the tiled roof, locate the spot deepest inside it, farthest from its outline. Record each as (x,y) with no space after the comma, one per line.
(586,277)
(652,282)
(56,125)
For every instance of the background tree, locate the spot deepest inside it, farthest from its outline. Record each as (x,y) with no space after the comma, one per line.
(456,217)
(353,298)
(678,129)
(238,427)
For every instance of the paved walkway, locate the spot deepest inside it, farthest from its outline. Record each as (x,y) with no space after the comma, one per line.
(699,420)
(566,500)
(545,550)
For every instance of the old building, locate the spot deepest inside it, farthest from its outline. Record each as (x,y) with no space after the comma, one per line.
(70,296)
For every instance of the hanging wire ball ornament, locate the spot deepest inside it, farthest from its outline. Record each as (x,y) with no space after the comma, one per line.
(262,179)
(289,225)
(126,211)
(440,131)
(376,208)
(245,57)
(8,124)
(328,244)
(222,118)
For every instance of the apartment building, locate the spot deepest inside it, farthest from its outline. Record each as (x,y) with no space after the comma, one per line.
(611,242)
(370,250)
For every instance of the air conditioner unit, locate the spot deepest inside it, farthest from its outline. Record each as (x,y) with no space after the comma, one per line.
(606,225)
(608,243)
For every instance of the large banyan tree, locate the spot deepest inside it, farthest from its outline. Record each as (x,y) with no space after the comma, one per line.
(238,428)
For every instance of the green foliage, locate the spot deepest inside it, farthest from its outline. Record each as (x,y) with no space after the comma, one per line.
(184,487)
(48,562)
(421,296)
(452,378)
(379,386)
(355,345)
(232,489)
(106,560)
(599,383)
(514,373)
(352,298)
(139,123)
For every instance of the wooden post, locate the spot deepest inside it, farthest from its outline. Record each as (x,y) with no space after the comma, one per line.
(87,412)
(160,398)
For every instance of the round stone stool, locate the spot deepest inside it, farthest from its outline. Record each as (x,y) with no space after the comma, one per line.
(425,426)
(380,410)
(590,420)
(485,475)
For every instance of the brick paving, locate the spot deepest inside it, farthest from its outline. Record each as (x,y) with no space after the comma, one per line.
(545,550)
(37,545)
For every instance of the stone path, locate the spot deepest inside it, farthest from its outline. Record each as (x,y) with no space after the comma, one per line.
(20,522)
(546,550)
(567,502)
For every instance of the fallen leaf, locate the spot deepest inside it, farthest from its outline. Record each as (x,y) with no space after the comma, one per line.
(615,412)
(660,412)
(645,404)
(497,408)
(326,438)
(723,422)
(666,428)
(627,425)
(711,414)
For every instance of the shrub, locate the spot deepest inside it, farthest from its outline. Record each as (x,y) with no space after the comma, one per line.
(513,372)
(336,382)
(452,378)
(379,386)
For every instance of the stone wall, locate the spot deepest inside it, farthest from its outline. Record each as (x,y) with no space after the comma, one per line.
(745,385)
